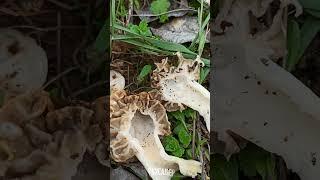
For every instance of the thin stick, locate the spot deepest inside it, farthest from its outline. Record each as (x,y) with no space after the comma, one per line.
(194,135)
(21,13)
(58,47)
(59,76)
(47,28)
(130,12)
(81,91)
(61,4)
(155,15)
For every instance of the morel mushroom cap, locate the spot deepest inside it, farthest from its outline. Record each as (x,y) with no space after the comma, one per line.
(38,142)
(23,63)
(136,121)
(179,85)
(117,81)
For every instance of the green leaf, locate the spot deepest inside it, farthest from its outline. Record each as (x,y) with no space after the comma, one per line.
(190,113)
(178,152)
(188,153)
(293,44)
(101,43)
(179,116)
(170,143)
(247,161)
(271,167)
(261,167)
(142,29)
(310,4)
(221,169)
(177,176)
(144,72)
(309,30)
(178,128)
(298,43)
(184,137)
(315,13)
(204,73)
(160,7)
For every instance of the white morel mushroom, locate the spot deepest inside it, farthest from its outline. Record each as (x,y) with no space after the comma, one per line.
(257,99)
(179,85)
(136,121)
(23,64)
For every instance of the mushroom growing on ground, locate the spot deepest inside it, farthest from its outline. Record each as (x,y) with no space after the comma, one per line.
(179,85)
(257,99)
(39,142)
(23,63)
(136,122)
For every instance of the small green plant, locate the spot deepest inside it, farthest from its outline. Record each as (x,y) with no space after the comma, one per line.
(160,7)
(179,143)
(252,161)
(141,29)
(145,71)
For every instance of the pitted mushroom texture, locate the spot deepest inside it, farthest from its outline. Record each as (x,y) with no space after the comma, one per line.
(117,81)
(38,142)
(178,85)
(136,122)
(23,63)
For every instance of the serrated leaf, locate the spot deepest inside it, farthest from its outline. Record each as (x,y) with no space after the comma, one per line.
(170,143)
(184,137)
(145,71)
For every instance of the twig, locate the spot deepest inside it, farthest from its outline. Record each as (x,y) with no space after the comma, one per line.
(203,172)
(130,12)
(63,5)
(58,47)
(59,76)
(81,91)
(47,28)
(168,12)
(21,13)
(194,135)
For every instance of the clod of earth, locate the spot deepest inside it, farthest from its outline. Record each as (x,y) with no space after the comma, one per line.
(24,64)
(256,98)
(38,141)
(136,122)
(179,85)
